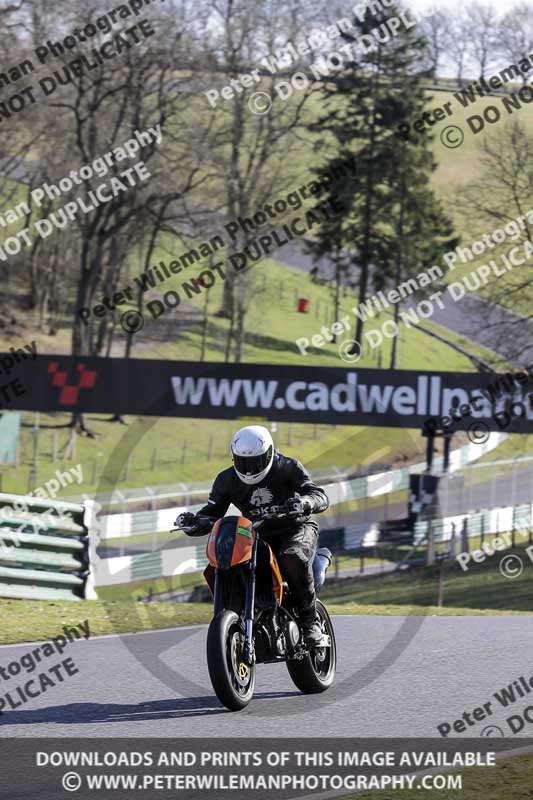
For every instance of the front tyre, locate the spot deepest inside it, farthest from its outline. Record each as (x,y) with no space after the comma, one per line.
(316,671)
(232,679)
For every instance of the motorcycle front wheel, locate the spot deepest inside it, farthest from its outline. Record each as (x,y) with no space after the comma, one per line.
(316,671)
(232,679)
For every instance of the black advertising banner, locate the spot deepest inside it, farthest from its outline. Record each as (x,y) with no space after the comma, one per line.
(259,768)
(340,396)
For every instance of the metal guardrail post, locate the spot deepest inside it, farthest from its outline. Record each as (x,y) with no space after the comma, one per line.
(92,527)
(122,500)
(465,546)
(440,585)
(186,494)
(151,494)
(430,553)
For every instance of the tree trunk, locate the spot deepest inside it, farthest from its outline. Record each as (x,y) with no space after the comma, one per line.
(230,335)
(394,350)
(239,333)
(338,276)
(225,310)
(203,347)
(398,275)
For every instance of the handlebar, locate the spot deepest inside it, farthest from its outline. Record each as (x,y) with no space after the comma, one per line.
(200,523)
(273,512)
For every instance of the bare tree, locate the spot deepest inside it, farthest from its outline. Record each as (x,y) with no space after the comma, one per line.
(251,157)
(436,29)
(484,35)
(94,115)
(89,116)
(501,194)
(458,43)
(516,35)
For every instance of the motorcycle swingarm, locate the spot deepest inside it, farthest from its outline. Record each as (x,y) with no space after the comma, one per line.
(301,651)
(272,660)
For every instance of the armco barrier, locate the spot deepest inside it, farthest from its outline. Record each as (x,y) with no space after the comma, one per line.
(355,538)
(116,526)
(496,520)
(47,551)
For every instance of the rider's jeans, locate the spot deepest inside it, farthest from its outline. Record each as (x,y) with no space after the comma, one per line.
(295,551)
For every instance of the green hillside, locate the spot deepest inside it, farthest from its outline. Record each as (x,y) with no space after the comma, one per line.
(190,450)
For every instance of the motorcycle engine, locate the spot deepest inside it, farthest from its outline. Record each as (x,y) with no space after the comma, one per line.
(280,644)
(292,632)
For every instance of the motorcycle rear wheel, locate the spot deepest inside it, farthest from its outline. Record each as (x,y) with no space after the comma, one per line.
(232,679)
(316,671)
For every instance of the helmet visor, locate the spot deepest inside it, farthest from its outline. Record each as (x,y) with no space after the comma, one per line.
(252,465)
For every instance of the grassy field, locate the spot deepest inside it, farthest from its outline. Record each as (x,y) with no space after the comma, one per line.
(510,779)
(515,446)
(273,325)
(481,587)
(456,168)
(189,450)
(137,589)
(194,449)
(32,620)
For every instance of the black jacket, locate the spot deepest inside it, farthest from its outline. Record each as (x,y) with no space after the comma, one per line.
(285,478)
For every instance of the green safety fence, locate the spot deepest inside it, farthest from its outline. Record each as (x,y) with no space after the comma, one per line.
(47,548)
(478,524)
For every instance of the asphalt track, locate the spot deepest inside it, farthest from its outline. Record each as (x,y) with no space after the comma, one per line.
(397,677)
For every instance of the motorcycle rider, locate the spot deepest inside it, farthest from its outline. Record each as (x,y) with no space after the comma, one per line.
(260,477)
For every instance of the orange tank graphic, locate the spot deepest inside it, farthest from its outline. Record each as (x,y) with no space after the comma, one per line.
(230,546)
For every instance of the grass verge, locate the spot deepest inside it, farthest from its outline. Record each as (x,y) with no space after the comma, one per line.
(32,620)
(482,587)
(510,778)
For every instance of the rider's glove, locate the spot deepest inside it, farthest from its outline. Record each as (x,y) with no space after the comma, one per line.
(186,520)
(299,505)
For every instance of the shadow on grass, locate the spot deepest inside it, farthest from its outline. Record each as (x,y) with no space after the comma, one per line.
(263,341)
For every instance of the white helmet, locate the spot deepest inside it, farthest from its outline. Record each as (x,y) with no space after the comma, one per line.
(252,449)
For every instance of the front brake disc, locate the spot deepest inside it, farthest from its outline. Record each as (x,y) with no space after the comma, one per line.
(240,669)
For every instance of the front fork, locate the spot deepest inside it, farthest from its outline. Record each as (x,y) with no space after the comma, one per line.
(249,649)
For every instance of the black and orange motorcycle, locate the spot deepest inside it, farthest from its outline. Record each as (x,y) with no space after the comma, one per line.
(255,619)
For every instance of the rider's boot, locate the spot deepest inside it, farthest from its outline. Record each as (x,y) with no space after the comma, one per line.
(311,627)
